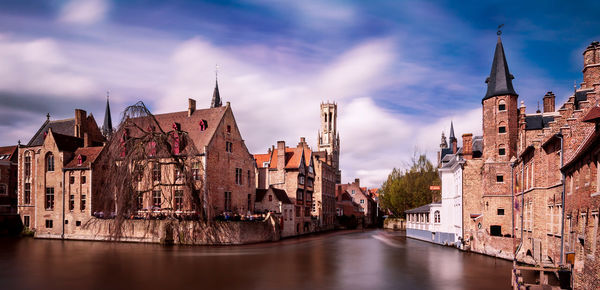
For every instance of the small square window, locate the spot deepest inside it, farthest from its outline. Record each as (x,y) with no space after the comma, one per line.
(77,223)
(72,179)
(499,178)
(49,224)
(502,129)
(83,180)
(502,107)
(500,211)
(501,151)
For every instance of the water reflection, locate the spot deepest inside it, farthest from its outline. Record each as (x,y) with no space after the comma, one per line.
(366,260)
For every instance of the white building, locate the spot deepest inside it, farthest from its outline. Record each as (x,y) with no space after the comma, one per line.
(451,225)
(423,223)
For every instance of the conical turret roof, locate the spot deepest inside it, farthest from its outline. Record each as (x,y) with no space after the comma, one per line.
(500,80)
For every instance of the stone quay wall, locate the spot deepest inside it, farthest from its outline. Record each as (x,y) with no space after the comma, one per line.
(176,232)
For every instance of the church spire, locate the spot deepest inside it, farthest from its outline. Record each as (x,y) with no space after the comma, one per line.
(452,137)
(500,80)
(107,128)
(216,99)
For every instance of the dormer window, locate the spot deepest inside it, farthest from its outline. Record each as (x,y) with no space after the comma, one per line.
(79,160)
(203,125)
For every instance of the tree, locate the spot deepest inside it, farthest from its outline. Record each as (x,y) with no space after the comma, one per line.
(406,189)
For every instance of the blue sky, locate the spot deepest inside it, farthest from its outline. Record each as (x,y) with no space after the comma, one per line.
(399,70)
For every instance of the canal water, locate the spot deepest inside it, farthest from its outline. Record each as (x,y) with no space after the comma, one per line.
(361,260)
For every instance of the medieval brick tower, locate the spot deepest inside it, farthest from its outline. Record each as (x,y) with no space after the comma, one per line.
(500,135)
(329,138)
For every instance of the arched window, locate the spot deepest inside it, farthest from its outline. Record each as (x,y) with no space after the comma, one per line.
(501,106)
(50,162)
(502,127)
(436,216)
(28,164)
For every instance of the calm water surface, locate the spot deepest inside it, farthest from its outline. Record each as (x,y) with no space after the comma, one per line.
(363,260)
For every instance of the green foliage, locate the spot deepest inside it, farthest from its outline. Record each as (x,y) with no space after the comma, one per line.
(406,189)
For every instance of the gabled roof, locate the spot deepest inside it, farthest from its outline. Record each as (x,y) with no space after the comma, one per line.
(64,127)
(591,142)
(260,159)
(191,124)
(88,156)
(7,152)
(500,80)
(280,194)
(293,157)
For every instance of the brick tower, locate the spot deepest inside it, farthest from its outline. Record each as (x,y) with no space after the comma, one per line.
(329,138)
(500,135)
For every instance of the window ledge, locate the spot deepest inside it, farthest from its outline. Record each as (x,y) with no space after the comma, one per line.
(595,194)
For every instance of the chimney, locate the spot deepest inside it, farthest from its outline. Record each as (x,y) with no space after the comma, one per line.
(549,102)
(591,69)
(467,145)
(86,140)
(191,106)
(79,123)
(280,154)
(302,142)
(357,182)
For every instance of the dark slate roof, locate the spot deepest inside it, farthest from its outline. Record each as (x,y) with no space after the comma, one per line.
(66,142)
(280,194)
(445,151)
(537,122)
(64,127)
(216,99)
(422,209)
(107,127)
(500,80)
(581,96)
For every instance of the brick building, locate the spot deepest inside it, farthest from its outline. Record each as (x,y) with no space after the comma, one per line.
(8,179)
(291,170)
(222,169)
(44,187)
(276,200)
(360,196)
(345,205)
(516,188)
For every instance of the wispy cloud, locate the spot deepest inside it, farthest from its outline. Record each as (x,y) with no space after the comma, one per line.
(84,12)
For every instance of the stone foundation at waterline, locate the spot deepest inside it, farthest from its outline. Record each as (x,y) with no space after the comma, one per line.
(177,232)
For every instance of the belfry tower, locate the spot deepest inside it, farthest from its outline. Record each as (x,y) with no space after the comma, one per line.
(329,138)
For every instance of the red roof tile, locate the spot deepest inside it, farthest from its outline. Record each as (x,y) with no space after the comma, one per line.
(88,156)
(7,151)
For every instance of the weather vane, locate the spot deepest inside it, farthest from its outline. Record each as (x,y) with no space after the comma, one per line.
(500,29)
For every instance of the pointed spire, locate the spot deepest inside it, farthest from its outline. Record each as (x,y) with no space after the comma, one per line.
(216,99)
(107,128)
(452,132)
(500,80)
